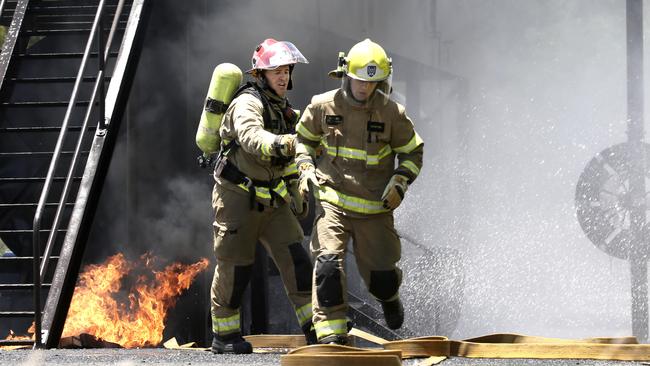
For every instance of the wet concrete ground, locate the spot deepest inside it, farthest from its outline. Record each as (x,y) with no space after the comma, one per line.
(166,357)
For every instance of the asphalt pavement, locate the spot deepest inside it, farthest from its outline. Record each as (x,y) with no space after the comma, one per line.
(167,357)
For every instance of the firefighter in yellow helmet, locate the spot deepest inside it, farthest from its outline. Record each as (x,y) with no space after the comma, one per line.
(255,176)
(370,154)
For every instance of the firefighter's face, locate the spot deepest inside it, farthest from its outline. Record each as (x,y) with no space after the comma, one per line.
(362,90)
(278,79)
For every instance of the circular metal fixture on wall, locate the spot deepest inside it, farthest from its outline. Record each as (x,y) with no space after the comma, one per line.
(603,201)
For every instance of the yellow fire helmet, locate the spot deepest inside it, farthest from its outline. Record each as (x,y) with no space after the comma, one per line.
(366,61)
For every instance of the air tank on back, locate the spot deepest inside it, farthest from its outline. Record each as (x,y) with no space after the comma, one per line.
(226,79)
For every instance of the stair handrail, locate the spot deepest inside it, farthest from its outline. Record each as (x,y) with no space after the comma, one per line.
(2,6)
(40,269)
(11,37)
(98,87)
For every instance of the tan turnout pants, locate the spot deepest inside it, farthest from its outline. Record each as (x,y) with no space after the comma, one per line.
(237,229)
(377,249)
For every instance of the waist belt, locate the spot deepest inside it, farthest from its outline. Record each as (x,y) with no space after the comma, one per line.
(232,174)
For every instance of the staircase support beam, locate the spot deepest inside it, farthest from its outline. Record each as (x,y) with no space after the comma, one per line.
(12,38)
(67,270)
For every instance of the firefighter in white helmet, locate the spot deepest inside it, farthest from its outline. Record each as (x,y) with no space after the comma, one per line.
(255,176)
(370,154)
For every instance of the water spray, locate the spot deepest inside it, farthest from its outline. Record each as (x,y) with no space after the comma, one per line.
(611,192)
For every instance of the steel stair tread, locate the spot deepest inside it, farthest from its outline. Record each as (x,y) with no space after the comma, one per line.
(50,7)
(43,129)
(25,258)
(47,205)
(34,179)
(62,54)
(4,342)
(55,32)
(24,104)
(20,286)
(24,231)
(53,79)
(37,153)
(45,17)
(9,314)
(71,23)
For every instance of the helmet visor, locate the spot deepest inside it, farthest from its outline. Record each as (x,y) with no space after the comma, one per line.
(279,54)
(379,96)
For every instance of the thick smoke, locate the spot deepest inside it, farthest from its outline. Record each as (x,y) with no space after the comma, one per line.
(546,93)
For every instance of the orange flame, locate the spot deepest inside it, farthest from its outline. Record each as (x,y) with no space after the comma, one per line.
(13,337)
(95,310)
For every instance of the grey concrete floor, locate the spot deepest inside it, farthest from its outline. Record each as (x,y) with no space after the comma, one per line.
(159,356)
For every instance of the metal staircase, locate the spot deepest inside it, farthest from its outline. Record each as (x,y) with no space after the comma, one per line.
(65,72)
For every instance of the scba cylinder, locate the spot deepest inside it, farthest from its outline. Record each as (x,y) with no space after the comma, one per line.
(226,79)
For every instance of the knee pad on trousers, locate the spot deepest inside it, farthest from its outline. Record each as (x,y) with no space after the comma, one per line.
(328,280)
(301,267)
(242,277)
(384,284)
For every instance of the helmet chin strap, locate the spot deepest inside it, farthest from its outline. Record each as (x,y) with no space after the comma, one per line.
(264,83)
(290,85)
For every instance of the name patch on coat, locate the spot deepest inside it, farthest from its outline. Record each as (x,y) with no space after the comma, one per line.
(376,126)
(333,119)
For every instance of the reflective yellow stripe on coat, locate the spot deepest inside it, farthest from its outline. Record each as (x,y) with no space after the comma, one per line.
(415,141)
(411,166)
(304,131)
(290,169)
(351,153)
(263,192)
(350,203)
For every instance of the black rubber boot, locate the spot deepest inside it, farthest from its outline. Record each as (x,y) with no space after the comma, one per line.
(393,313)
(310,333)
(233,343)
(340,339)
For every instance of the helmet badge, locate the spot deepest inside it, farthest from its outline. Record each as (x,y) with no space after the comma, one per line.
(371,70)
